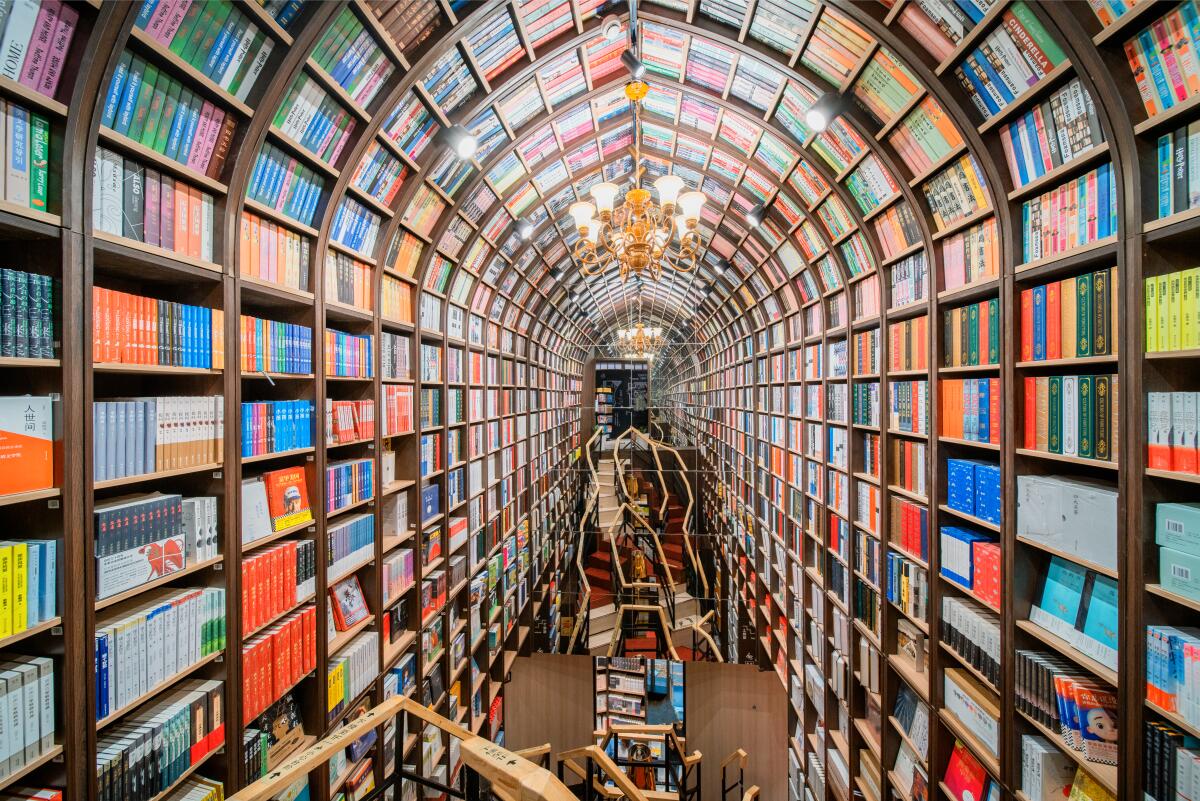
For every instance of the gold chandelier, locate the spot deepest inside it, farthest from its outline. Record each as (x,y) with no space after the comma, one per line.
(639,235)
(639,341)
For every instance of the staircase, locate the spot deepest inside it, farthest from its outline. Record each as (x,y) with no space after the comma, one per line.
(600,570)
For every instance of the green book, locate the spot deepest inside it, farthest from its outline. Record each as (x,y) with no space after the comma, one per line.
(34,292)
(964,338)
(993,322)
(331,44)
(180,40)
(1033,26)
(1101,303)
(973,334)
(1054,404)
(142,106)
(285,107)
(21,338)
(39,161)
(154,116)
(947,339)
(210,36)
(1102,385)
(170,106)
(1083,315)
(1087,418)
(188,51)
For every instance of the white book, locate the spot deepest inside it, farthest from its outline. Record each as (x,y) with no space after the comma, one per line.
(17,34)
(111,198)
(206,227)
(256,67)
(1070,416)
(239,56)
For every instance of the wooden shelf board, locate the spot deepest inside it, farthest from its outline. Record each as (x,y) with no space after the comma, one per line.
(32,495)
(343,637)
(155,255)
(1093,251)
(1074,361)
(1153,589)
(156,476)
(1068,650)
(263,457)
(277,535)
(989,760)
(977,521)
(969,443)
(274,215)
(269,289)
(918,681)
(967,666)
(153,369)
(152,692)
(1106,775)
(111,600)
(1070,557)
(197,179)
(1058,457)
(53,753)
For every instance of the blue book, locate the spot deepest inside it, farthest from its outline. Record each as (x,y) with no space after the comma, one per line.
(1100,622)
(145,13)
(993,78)
(1162,88)
(982,429)
(189,131)
(1035,146)
(1062,590)
(1039,323)
(116,91)
(1103,198)
(224,39)
(133,84)
(980,91)
(178,123)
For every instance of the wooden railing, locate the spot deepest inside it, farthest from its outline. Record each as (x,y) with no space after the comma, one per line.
(593,500)
(654,610)
(701,637)
(511,776)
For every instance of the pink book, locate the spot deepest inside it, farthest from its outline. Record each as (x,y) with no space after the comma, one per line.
(60,44)
(153,192)
(167,218)
(39,44)
(266,269)
(332,132)
(337,150)
(162,13)
(210,138)
(182,226)
(171,26)
(281,198)
(196,157)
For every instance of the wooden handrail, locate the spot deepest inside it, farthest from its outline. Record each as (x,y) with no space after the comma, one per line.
(662,616)
(698,628)
(751,793)
(618,777)
(658,549)
(509,774)
(740,755)
(593,499)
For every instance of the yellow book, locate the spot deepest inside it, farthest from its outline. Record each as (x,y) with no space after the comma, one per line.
(1164,337)
(6,589)
(1190,335)
(335,686)
(1174,310)
(1151,314)
(20,574)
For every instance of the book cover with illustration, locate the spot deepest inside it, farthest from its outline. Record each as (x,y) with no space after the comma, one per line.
(287,497)
(349,605)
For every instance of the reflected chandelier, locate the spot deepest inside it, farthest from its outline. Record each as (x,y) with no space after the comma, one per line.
(639,235)
(639,341)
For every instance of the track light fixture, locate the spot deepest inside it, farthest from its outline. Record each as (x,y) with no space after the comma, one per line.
(637,70)
(525,229)
(462,142)
(611,27)
(823,112)
(756,215)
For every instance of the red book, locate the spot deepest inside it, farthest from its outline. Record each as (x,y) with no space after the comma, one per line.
(1030,412)
(994,410)
(965,778)
(1053,320)
(1027,325)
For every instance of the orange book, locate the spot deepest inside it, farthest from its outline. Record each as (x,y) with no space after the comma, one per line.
(195,221)
(287,497)
(99,334)
(183,226)
(252,255)
(218,339)
(26,443)
(1053,320)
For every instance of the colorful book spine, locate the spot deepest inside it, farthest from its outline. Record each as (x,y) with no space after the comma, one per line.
(971,335)
(1074,214)
(1072,415)
(349,355)
(275,426)
(140,436)
(27,320)
(349,54)
(132,329)
(970,409)
(275,347)
(1072,318)
(273,253)
(282,183)
(348,482)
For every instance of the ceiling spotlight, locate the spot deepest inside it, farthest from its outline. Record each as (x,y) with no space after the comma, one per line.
(823,112)
(462,142)
(755,215)
(637,70)
(524,229)
(611,27)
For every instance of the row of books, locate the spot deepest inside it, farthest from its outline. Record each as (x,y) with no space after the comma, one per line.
(273,502)
(153,109)
(971,560)
(973,488)
(133,533)
(160,743)
(940,25)
(146,435)
(1176,535)
(908,524)
(1082,710)
(908,345)
(25,154)
(907,466)
(348,280)
(37,40)
(398,573)
(28,584)
(971,334)
(349,54)
(349,542)
(314,120)
(925,137)
(274,426)
(139,203)
(275,579)
(970,409)
(908,407)
(1074,317)
(971,255)
(395,356)
(1072,415)
(396,301)
(397,410)
(1052,133)
(1172,322)
(282,183)
(1172,682)
(217,39)
(275,347)
(28,708)
(355,226)
(972,630)
(1169,762)
(273,253)
(349,355)
(1081,211)
(907,586)
(1069,515)
(1017,54)
(351,671)
(1162,57)
(909,280)
(27,321)
(349,421)
(274,660)
(956,192)
(133,329)
(380,174)
(141,647)
(348,482)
